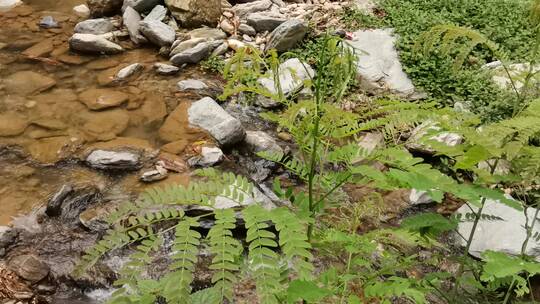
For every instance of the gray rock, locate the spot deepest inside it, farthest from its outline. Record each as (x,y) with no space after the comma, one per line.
(191,85)
(93,44)
(180,46)
(221,49)
(69,202)
(128,71)
(195,54)
(207,33)
(29,267)
(209,116)
(165,69)
(504,235)
(131,19)
(264,21)
(247,30)
(287,35)
(194,13)
(48,22)
(292,74)
(157,174)
(158,32)
(140,5)
(99,8)
(258,141)
(209,156)
(158,13)
(244,9)
(94,26)
(113,160)
(417,197)
(378,67)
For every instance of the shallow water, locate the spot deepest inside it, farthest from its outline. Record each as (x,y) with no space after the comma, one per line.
(42,116)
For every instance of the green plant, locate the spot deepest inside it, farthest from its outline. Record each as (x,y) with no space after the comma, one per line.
(213,64)
(505,22)
(160,211)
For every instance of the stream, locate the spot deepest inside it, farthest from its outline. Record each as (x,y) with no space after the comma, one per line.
(46,131)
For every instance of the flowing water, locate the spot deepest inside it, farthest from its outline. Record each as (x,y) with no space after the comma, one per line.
(45,128)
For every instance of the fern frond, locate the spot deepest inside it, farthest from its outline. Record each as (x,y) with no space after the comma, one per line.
(264,262)
(176,285)
(226,250)
(293,164)
(293,241)
(453,38)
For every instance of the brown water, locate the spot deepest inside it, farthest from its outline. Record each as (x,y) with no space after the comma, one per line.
(43,119)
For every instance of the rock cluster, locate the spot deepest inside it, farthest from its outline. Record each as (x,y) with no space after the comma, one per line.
(262,24)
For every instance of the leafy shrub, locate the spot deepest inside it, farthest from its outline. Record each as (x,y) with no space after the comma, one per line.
(505,22)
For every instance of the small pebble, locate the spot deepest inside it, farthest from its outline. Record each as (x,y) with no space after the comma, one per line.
(48,22)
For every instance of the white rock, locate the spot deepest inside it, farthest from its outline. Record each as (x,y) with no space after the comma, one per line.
(191,85)
(94,44)
(128,71)
(506,235)
(6,5)
(209,156)
(258,141)
(113,160)
(292,74)
(378,67)
(209,116)
(82,11)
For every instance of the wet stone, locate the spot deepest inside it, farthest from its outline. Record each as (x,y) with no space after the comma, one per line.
(29,267)
(98,99)
(165,69)
(12,124)
(27,82)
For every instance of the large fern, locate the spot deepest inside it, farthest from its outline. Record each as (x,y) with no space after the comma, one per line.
(136,225)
